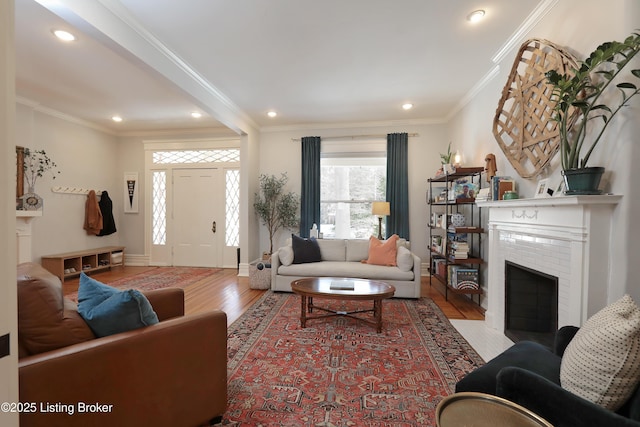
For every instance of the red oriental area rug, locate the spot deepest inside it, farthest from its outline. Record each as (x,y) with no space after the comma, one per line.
(161,277)
(338,371)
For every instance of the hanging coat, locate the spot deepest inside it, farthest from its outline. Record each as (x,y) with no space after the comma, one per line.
(92,214)
(106,208)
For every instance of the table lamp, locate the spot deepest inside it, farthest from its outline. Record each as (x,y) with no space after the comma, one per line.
(380,209)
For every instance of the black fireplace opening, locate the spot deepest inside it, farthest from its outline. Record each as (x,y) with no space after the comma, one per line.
(531,305)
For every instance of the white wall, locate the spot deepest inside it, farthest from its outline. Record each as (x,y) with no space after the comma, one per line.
(86,158)
(131,159)
(250,152)
(280,154)
(92,159)
(8,297)
(578,25)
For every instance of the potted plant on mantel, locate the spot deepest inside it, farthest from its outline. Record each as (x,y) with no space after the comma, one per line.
(276,208)
(580,100)
(36,164)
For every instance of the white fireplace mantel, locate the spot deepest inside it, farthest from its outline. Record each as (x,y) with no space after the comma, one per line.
(23,234)
(567,237)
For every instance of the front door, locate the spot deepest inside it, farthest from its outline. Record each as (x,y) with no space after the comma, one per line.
(197,216)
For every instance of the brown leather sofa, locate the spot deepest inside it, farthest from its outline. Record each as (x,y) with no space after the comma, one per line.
(172,374)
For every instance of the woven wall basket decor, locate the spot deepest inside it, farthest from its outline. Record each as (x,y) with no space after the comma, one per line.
(522,125)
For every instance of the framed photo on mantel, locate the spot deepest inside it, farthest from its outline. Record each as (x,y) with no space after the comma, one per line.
(544,189)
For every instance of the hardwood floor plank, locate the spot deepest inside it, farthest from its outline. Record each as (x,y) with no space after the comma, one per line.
(225,291)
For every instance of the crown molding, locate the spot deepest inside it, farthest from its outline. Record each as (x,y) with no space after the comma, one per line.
(516,39)
(36,106)
(473,92)
(349,125)
(121,13)
(217,132)
(111,21)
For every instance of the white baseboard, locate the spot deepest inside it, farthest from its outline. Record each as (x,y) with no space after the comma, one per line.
(139,260)
(424,269)
(243,271)
(136,260)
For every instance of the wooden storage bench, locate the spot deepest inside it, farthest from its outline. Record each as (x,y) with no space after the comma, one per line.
(70,264)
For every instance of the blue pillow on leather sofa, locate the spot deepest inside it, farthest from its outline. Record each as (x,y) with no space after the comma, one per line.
(109,311)
(529,374)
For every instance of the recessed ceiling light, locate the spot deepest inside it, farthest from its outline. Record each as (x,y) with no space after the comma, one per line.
(64,35)
(272,114)
(407,106)
(476,15)
(117,119)
(196,114)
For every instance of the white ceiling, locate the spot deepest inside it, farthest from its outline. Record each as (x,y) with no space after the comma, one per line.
(314,62)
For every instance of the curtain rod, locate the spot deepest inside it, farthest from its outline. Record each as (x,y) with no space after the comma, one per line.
(355,136)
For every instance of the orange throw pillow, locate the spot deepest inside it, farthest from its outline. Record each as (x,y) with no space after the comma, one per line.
(383,252)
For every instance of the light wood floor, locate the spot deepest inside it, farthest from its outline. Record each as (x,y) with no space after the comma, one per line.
(228,292)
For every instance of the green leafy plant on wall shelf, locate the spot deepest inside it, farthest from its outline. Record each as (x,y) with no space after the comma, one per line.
(276,208)
(445,158)
(582,98)
(36,164)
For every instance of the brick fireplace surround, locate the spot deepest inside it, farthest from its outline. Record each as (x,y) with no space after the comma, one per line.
(567,237)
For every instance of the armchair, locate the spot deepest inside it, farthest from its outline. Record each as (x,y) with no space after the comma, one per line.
(529,374)
(169,374)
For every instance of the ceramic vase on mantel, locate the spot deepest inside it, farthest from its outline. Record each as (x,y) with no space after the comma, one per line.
(31,201)
(582,181)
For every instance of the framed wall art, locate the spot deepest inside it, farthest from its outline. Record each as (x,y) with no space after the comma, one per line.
(131,191)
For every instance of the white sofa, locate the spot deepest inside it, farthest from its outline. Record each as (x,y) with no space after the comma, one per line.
(342,258)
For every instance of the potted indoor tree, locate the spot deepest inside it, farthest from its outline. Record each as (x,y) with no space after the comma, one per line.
(584,108)
(276,208)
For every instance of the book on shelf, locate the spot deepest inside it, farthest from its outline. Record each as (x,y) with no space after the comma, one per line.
(452,274)
(439,266)
(501,184)
(466,278)
(436,244)
(457,230)
(459,255)
(457,246)
(460,246)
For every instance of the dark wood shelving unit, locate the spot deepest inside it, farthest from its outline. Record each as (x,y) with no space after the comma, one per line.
(472,229)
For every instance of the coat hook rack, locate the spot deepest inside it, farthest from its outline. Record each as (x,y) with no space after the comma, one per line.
(73,190)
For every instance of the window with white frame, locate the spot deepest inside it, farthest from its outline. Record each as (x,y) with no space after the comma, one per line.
(349,183)
(159,207)
(232,207)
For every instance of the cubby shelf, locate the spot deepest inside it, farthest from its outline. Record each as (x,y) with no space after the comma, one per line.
(71,264)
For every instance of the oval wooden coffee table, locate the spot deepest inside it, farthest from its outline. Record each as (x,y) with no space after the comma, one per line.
(342,289)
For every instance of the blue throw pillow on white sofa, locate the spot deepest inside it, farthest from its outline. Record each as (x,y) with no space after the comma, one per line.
(109,311)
